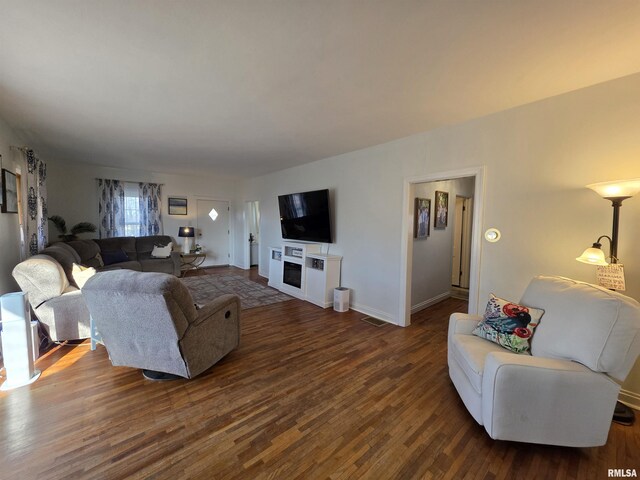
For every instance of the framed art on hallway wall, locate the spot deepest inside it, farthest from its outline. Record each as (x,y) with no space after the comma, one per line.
(442,210)
(421,218)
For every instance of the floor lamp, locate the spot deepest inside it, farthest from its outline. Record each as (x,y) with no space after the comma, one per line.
(616,192)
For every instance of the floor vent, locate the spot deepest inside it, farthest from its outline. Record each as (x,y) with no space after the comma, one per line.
(374,321)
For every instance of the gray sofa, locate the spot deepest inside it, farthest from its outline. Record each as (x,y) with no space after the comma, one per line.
(134,253)
(54,294)
(149,321)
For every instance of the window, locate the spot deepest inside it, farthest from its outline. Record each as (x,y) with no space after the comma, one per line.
(129,209)
(132,214)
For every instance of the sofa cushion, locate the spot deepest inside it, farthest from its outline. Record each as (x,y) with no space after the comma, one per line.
(584,323)
(157,265)
(87,251)
(508,324)
(128,244)
(109,257)
(65,256)
(130,265)
(146,244)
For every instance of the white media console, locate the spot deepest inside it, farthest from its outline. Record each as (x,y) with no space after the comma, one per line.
(300,270)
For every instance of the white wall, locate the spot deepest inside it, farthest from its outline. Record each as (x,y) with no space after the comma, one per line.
(432,256)
(9,224)
(73,195)
(538,158)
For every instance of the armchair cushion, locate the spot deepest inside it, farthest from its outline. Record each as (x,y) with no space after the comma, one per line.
(508,324)
(584,323)
(42,278)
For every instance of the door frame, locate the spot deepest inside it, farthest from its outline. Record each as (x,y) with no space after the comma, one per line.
(217,199)
(406,252)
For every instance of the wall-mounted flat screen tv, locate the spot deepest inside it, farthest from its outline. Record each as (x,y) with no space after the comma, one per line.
(305,216)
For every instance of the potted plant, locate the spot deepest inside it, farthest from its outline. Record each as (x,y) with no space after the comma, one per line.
(61,226)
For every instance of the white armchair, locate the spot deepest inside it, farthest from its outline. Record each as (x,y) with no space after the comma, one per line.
(565,392)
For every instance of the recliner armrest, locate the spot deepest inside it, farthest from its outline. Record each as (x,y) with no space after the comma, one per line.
(177,264)
(546,400)
(463,323)
(227,302)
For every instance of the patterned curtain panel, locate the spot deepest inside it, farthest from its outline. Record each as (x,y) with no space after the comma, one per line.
(149,200)
(111,208)
(36,221)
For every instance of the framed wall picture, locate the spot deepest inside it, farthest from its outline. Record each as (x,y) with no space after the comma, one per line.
(9,192)
(177,206)
(422,218)
(441,210)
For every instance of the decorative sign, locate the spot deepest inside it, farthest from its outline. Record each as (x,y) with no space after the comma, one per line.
(611,276)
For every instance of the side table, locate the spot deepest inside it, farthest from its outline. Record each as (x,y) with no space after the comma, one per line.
(191,261)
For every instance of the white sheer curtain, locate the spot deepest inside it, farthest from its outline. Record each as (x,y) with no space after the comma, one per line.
(111,208)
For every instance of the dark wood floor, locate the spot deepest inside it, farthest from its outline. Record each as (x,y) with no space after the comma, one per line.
(310,394)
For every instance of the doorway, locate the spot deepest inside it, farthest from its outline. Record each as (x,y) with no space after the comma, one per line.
(252,234)
(406,253)
(213,235)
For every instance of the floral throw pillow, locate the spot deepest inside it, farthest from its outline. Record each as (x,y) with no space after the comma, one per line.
(508,324)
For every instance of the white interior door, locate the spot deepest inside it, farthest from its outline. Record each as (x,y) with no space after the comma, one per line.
(213,235)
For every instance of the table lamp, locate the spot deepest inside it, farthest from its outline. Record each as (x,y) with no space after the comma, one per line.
(187,233)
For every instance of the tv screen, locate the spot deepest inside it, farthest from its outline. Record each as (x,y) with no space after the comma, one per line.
(305,216)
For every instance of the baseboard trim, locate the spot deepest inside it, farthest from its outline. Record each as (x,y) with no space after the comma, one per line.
(429,302)
(630,399)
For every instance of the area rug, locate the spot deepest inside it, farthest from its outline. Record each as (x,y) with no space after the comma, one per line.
(205,288)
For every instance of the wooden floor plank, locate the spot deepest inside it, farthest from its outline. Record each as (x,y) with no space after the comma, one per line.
(309,394)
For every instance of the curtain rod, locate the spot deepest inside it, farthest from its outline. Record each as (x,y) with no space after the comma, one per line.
(129,181)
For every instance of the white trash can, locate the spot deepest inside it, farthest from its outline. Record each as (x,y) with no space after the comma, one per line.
(341,299)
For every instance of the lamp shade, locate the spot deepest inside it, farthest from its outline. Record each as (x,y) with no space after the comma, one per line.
(619,189)
(593,256)
(186,232)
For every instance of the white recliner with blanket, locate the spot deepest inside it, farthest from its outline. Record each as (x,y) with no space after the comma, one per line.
(565,391)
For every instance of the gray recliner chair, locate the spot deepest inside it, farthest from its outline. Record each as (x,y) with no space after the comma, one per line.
(149,321)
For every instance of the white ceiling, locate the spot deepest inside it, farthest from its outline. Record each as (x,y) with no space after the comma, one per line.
(245,87)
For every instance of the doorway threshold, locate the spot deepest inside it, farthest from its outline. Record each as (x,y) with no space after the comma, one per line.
(460,293)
